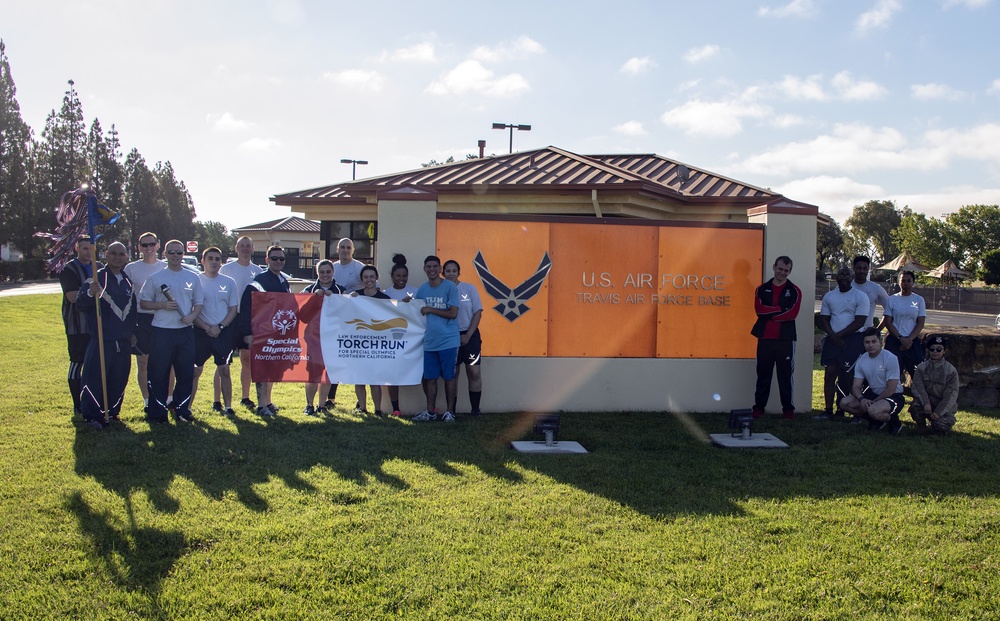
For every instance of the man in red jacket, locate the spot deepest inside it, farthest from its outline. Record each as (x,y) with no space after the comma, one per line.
(776,303)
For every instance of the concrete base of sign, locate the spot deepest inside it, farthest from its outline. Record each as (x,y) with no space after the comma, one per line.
(557,448)
(757,440)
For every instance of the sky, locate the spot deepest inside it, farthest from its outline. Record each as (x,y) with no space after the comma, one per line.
(828,102)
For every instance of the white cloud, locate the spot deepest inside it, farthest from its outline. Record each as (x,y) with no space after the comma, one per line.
(784,121)
(519,48)
(698,54)
(795,8)
(936,91)
(810,88)
(260,144)
(472,77)
(421,52)
(879,16)
(630,128)
(835,196)
(853,90)
(969,4)
(714,118)
(226,122)
(638,66)
(357,79)
(994,87)
(851,148)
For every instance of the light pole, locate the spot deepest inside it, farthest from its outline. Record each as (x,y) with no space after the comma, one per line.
(354,166)
(512,127)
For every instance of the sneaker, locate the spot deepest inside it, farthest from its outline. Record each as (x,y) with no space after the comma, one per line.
(826,415)
(379,413)
(448,417)
(217,407)
(877,425)
(857,420)
(359,410)
(273,409)
(788,414)
(476,412)
(329,406)
(757,412)
(309,411)
(424,416)
(229,412)
(95,424)
(248,404)
(397,413)
(182,419)
(263,412)
(895,427)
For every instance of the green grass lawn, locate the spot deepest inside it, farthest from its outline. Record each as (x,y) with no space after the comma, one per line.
(350,517)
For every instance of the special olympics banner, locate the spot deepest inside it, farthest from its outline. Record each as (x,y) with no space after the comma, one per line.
(375,342)
(340,339)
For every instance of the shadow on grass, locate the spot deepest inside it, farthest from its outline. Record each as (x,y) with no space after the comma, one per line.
(135,558)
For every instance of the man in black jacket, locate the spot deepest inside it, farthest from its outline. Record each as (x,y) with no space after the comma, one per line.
(776,303)
(272,281)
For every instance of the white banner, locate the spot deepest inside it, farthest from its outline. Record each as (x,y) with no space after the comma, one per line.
(374,342)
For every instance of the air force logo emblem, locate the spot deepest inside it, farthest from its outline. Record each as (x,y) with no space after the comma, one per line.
(512,301)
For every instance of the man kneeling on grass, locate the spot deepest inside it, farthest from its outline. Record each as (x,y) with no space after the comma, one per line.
(935,389)
(877,393)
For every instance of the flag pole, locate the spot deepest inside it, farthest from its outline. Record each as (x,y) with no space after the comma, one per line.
(100,332)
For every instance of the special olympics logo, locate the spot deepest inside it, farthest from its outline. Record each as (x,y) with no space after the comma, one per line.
(284,320)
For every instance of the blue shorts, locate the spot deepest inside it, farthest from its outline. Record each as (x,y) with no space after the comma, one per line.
(440,364)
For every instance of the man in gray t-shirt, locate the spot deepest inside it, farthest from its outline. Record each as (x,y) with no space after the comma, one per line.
(176,298)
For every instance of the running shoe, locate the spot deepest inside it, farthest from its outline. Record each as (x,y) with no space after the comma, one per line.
(424,416)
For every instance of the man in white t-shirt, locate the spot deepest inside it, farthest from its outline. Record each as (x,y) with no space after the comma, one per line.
(138,271)
(347,270)
(877,393)
(904,319)
(876,293)
(243,271)
(842,315)
(214,326)
(176,298)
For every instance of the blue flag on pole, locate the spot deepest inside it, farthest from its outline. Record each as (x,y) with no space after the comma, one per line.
(98,217)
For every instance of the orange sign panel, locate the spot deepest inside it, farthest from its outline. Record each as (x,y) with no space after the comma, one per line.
(569,289)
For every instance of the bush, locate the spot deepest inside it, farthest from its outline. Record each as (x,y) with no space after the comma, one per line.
(26,269)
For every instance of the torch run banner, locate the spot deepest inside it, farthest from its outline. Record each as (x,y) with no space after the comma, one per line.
(336,339)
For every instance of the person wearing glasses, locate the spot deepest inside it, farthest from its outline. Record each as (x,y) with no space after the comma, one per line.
(111,289)
(935,389)
(138,271)
(272,281)
(176,298)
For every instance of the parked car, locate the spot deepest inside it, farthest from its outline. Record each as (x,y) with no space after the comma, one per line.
(996,322)
(191,262)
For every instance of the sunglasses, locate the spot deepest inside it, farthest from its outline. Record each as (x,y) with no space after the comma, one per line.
(276,258)
(935,349)
(174,252)
(149,244)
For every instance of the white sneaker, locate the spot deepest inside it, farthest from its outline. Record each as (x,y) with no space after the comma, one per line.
(448,417)
(424,416)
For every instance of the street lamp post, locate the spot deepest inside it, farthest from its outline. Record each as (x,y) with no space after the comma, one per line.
(354,166)
(512,127)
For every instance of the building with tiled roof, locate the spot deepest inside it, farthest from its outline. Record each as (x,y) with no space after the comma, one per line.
(299,237)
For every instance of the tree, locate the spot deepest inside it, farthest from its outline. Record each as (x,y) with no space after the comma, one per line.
(829,244)
(990,271)
(211,233)
(927,239)
(977,231)
(177,201)
(106,173)
(869,230)
(18,221)
(450,160)
(142,207)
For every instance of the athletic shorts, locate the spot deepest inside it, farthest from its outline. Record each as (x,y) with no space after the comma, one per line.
(77,346)
(205,347)
(897,400)
(908,358)
(143,334)
(846,355)
(468,354)
(440,364)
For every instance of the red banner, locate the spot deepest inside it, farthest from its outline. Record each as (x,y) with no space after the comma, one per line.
(286,339)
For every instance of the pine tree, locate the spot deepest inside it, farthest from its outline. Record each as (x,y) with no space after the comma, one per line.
(18,218)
